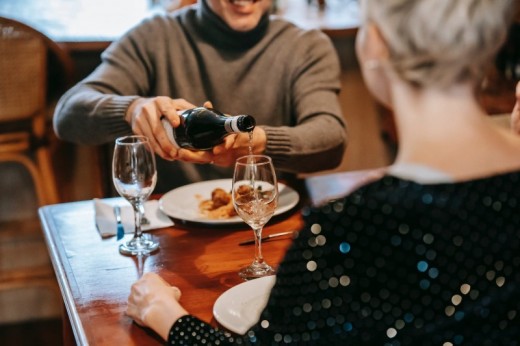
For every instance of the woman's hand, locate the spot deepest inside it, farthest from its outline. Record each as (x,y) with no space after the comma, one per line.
(515,116)
(144,116)
(155,304)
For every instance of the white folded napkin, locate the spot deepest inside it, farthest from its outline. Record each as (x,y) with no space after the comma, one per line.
(106,219)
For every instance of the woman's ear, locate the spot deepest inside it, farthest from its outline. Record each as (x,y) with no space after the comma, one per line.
(376,47)
(373,55)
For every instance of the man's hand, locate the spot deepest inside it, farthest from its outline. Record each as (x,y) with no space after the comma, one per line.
(144,116)
(225,154)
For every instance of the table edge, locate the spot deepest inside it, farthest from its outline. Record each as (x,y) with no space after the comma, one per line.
(46,218)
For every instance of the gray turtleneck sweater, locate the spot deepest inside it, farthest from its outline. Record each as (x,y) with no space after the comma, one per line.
(286,77)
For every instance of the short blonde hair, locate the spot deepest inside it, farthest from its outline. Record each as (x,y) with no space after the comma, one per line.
(441,42)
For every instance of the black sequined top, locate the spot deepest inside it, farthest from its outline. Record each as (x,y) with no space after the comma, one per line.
(395,263)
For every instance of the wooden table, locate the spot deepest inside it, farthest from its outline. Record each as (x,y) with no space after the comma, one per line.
(203,262)
(95,279)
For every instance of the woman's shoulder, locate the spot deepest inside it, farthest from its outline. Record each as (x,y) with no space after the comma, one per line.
(391,190)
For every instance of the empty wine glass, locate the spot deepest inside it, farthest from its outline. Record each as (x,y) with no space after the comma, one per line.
(255,197)
(134,175)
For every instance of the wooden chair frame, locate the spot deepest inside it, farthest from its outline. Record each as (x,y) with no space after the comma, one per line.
(26,138)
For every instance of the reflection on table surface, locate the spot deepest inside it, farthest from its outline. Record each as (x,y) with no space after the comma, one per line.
(93,24)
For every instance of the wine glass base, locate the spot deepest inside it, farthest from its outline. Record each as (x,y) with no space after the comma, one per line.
(255,271)
(138,246)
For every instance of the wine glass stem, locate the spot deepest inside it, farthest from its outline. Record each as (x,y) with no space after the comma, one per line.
(258,245)
(137,216)
(144,220)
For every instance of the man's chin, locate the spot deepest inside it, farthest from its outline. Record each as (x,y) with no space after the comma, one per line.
(243,26)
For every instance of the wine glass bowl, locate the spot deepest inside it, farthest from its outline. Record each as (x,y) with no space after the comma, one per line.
(255,198)
(134,175)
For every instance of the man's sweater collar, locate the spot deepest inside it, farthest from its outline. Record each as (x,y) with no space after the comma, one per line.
(217,32)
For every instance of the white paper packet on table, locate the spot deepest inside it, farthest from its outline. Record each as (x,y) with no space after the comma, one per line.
(106,219)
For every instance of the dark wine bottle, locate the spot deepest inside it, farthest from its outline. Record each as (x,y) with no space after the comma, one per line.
(202,128)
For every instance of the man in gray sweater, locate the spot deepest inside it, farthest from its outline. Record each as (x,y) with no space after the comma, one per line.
(228,52)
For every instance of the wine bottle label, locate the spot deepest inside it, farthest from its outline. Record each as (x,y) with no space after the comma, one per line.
(231,124)
(169,132)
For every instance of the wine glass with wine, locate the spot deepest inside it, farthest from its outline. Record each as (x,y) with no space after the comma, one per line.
(255,197)
(134,176)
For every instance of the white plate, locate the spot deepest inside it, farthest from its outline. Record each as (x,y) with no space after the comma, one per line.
(239,308)
(183,202)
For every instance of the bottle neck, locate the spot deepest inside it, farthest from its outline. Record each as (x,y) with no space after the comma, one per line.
(231,124)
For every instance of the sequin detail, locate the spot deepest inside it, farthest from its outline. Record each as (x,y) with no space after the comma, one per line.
(395,263)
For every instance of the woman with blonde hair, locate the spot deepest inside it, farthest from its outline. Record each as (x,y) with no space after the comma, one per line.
(428,254)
